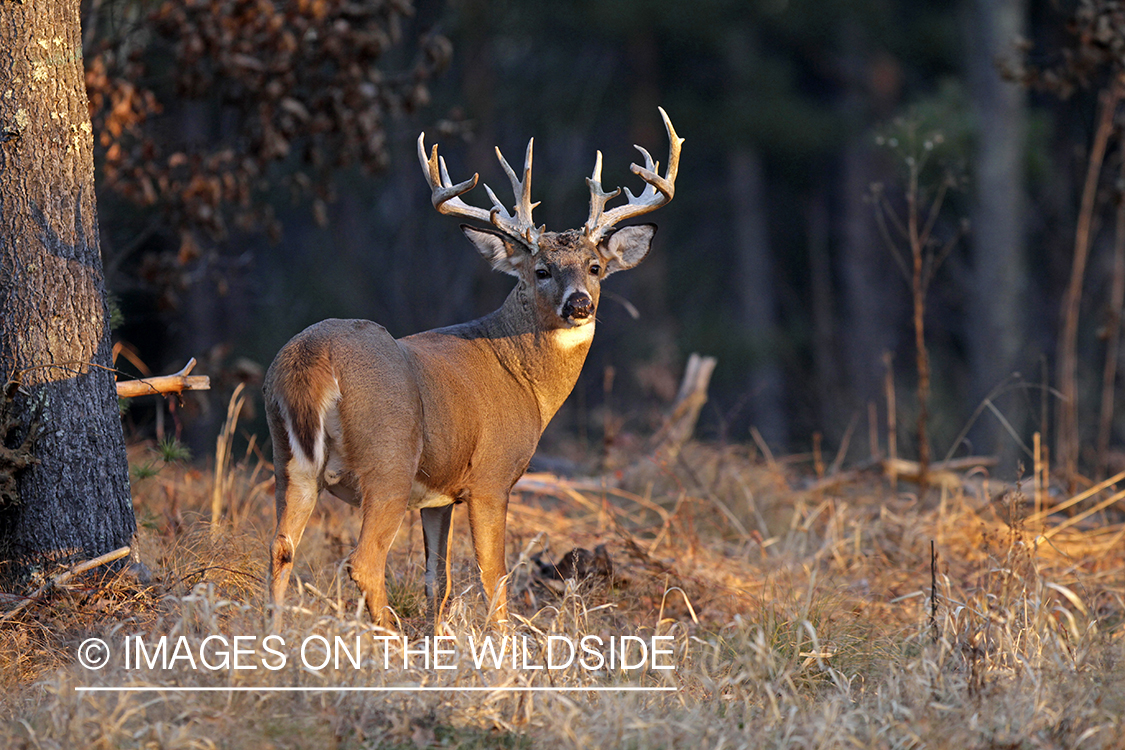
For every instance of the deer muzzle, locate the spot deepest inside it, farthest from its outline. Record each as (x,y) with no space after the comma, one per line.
(578,306)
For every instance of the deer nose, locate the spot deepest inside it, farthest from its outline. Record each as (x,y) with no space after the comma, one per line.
(578,306)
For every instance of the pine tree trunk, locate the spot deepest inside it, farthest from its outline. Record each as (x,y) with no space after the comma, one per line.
(54,322)
(997,335)
(756,284)
(870,300)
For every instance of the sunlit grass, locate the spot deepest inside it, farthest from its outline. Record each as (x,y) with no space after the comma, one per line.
(794,619)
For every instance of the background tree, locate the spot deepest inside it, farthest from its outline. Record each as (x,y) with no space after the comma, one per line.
(214,117)
(1089,57)
(73,499)
(996,315)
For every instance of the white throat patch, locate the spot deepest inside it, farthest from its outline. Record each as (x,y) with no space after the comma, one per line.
(568,338)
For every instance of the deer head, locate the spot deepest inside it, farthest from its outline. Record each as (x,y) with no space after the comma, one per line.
(560,273)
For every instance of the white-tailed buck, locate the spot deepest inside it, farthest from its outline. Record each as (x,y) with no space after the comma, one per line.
(451,415)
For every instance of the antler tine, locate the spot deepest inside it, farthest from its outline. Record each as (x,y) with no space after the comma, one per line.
(521,223)
(598,196)
(497,206)
(658,190)
(651,168)
(445,196)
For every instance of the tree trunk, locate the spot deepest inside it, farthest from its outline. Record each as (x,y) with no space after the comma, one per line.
(870,300)
(826,356)
(756,284)
(996,336)
(54,322)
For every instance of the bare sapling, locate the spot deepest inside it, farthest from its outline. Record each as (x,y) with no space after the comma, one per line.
(917,251)
(1066,440)
(453,415)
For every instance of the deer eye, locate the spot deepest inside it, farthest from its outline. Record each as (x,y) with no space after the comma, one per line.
(542,273)
(595,270)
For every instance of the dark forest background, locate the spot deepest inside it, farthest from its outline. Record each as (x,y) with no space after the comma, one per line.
(257,173)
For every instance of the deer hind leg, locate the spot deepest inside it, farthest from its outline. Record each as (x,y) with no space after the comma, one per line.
(383,507)
(296,497)
(437,525)
(487,519)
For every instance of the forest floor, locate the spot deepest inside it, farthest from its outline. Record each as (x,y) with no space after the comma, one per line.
(774,610)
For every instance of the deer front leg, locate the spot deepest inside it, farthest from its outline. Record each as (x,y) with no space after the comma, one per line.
(487,518)
(382,515)
(437,524)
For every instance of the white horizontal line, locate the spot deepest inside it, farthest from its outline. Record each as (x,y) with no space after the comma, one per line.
(347,689)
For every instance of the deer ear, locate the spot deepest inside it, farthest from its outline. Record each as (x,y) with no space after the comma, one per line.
(500,252)
(626,247)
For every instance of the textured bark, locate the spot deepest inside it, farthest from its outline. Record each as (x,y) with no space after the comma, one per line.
(54,335)
(996,306)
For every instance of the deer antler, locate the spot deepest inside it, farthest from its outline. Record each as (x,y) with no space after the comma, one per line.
(446,196)
(658,190)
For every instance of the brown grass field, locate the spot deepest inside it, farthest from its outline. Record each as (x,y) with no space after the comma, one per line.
(799,615)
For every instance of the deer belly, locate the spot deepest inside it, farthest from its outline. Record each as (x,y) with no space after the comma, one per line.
(422,496)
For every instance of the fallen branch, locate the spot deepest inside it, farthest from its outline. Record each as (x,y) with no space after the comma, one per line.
(940,473)
(964,463)
(65,576)
(177,383)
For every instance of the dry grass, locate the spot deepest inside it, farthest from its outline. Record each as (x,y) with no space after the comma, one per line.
(797,619)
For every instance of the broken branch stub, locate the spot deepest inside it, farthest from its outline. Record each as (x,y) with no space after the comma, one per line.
(680,424)
(175,383)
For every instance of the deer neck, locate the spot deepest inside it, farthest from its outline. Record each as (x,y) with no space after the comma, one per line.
(545,361)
